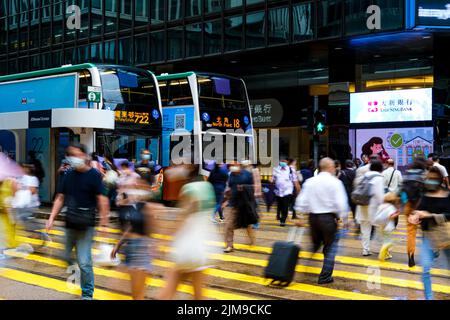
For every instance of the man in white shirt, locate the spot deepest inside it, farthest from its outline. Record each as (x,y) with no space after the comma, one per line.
(324,198)
(441,168)
(285,180)
(392,178)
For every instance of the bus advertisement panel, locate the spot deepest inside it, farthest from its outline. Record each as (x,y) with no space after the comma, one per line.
(39,94)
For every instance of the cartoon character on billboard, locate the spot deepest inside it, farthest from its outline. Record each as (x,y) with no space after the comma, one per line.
(374,147)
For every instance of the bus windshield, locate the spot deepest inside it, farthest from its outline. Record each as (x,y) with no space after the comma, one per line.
(122,86)
(223,103)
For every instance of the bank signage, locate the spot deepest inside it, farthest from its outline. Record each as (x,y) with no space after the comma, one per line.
(40,119)
(391,106)
(266,112)
(433,13)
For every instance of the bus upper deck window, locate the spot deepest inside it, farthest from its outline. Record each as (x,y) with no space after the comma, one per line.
(222,86)
(127,80)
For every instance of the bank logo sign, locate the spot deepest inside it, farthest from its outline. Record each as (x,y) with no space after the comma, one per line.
(433,13)
(391,106)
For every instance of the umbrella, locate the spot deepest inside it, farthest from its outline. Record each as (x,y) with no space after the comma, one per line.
(9,168)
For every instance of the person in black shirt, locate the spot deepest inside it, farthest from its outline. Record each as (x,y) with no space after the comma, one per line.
(432,213)
(347,176)
(38,169)
(81,189)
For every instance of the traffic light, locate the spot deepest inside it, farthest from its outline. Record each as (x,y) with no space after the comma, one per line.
(319,122)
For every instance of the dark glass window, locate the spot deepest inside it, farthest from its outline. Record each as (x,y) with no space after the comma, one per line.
(233,33)
(12,66)
(96,18)
(58,22)
(213,37)
(83,54)
(229,4)
(70,56)
(278,26)
(13,30)
(175,38)
(70,34)
(329,18)
(303,28)
(45,26)
(157,46)
(125,15)
(250,2)
(34,29)
(213,6)
(46,59)
(3,7)
(141,55)
(23,5)
(110,54)
(84,30)
(13,7)
(125,51)
(110,16)
(193,8)
(157,13)
(175,9)
(3,33)
(57,59)
(96,52)
(23,64)
(193,40)
(391,13)
(255,29)
(141,12)
(355,16)
(35,62)
(3,68)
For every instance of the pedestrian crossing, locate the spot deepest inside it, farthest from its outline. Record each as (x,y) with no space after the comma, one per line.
(236,276)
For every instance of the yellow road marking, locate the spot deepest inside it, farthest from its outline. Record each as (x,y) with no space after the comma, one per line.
(303,254)
(57,285)
(210,293)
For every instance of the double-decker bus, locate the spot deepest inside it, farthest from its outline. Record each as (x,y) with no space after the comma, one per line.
(213,110)
(114,110)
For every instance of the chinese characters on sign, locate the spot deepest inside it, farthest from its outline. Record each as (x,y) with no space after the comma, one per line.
(225,122)
(132,117)
(262,113)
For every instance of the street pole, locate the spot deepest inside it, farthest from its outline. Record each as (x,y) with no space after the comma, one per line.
(315,136)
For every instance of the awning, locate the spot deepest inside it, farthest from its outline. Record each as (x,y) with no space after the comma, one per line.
(57,118)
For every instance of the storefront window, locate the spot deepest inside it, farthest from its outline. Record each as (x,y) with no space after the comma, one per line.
(213,37)
(329,18)
(278,26)
(141,50)
(213,6)
(193,8)
(157,46)
(193,40)
(175,38)
(233,33)
(303,21)
(255,29)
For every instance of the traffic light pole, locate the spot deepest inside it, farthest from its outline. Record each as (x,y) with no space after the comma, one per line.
(316,136)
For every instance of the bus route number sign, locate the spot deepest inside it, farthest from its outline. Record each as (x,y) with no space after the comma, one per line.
(132,117)
(94,94)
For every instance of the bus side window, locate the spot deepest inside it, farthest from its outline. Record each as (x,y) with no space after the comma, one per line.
(84,81)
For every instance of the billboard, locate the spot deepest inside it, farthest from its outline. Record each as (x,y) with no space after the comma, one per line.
(433,13)
(391,106)
(39,94)
(401,144)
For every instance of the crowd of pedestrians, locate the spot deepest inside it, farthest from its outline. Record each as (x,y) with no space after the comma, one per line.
(371,189)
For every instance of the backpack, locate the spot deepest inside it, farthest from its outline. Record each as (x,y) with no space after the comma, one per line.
(361,195)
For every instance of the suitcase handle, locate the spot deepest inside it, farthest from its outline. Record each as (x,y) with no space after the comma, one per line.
(293,232)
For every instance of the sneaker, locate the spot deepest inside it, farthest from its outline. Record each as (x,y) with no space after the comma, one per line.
(228,250)
(388,256)
(366,253)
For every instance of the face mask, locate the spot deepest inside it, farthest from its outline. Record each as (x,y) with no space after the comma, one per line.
(432,185)
(75,162)
(145,157)
(283,164)
(234,169)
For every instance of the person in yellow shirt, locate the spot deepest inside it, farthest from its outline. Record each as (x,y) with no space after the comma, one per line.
(7,190)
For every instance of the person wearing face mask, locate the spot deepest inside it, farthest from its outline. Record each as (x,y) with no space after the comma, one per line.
(82,191)
(238,200)
(433,214)
(285,180)
(146,167)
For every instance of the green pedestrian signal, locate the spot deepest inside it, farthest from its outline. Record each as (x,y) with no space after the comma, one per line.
(319,122)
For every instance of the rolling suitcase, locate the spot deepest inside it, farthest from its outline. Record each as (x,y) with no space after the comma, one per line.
(283,260)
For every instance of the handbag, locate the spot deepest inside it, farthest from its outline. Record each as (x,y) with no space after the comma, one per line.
(80,218)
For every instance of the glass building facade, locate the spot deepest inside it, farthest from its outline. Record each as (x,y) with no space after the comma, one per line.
(35,34)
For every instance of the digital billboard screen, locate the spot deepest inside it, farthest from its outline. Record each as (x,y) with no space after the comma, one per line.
(434,13)
(391,106)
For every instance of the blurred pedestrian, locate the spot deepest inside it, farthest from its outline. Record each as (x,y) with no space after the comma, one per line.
(392,178)
(189,249)
(433,214)
(435,158)
(240,205)
(218,177)
(337,164)
(411,192)
(82,191)
(137,225)
(297,185)
(286,182)
(324,198)
(95,163)
(146,167)
(306,171)
(8,187)
(37,164)
(175,177)
(257,185)
(110,178)
(347,176)
(384,220)
(366,214)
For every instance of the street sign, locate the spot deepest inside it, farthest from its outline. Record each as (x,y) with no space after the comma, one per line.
(94,94)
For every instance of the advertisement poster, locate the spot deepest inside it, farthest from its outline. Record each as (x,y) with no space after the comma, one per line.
(391,106)
(401,144)
(38,140)
(434,13)
(175,120)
